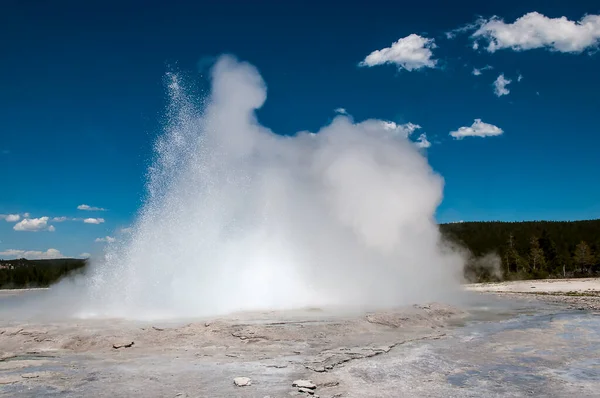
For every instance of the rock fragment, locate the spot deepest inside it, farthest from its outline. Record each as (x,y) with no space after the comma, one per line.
(117,346)
(304,384)
(242,381)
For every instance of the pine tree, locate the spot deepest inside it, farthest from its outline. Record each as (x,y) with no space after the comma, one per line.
(536,255)
(583,257)
(550,252)
(511,256)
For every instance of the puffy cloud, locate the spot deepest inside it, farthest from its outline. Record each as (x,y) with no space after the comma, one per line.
(534,30)
(90,208)
(422,141)
(412,52)
(31,254)
(34,225)
(477,129)
(93,220)
(500,85)
(107,239)
(341,111)
(478,71)
(10,217)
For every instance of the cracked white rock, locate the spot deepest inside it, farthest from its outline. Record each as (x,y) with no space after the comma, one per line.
(242,381)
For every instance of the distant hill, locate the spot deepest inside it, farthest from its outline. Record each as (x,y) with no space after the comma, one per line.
(533,249)
(22,273)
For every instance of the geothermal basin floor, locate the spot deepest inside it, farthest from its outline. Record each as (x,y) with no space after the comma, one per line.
(494,347)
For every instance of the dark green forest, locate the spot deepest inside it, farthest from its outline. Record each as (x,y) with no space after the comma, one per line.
(21,273)
(528,250)
(499,251)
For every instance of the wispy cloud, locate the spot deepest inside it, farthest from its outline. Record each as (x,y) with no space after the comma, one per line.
(535,30)
(34,225)
(451,34)
(412,52)
(85,255)
(90,208)
(31,254)
(341,111)
(479,71)
(500,85)
(93,220)
(477,129)
(106,239)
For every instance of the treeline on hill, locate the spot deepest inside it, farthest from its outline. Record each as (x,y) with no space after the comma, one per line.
(528,250)
(500,251)
(22,273)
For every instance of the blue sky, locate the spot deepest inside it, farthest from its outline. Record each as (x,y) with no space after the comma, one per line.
(82,99)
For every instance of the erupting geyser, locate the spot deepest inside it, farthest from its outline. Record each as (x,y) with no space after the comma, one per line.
(240,218)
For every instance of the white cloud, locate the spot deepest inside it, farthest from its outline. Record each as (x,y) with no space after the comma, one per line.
(31,254)
(422,141)
(478,71)
(477,129)
(90,208)
(462,29)
(108,239)
(10,217)
(520,77)
(500,85)
(26,215)
(34,225)
(411,53)
(85,255)
(93,220)
(59,219)
(534,30)
(341,111)
(405,129)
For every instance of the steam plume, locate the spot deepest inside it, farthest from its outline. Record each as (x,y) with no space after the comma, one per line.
(240,218)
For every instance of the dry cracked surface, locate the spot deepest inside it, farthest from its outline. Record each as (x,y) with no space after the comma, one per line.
(201,359)
(420,351)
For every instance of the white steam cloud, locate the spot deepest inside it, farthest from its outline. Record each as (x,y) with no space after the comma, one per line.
(239,218)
